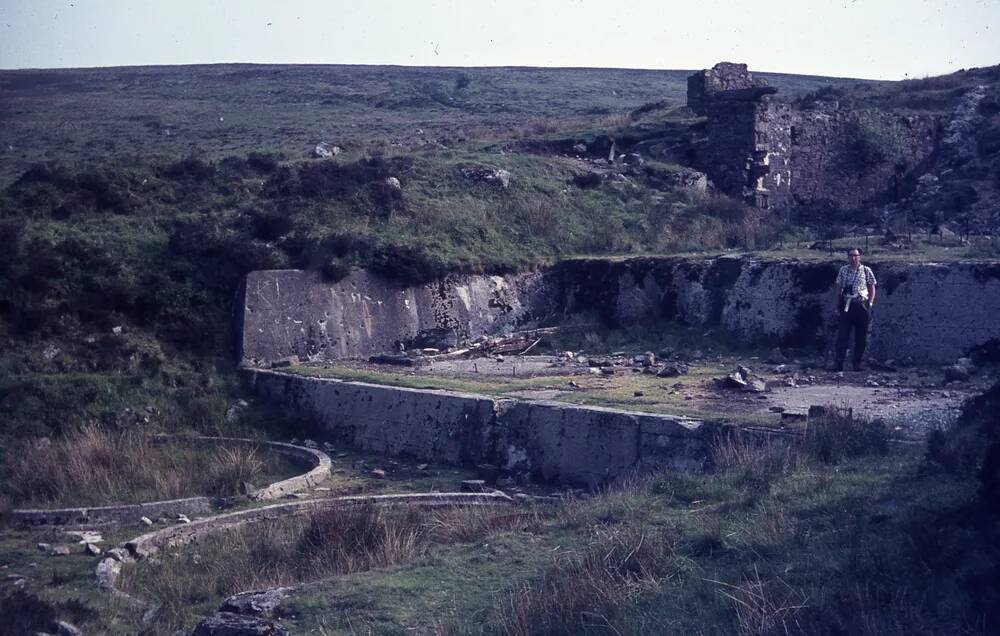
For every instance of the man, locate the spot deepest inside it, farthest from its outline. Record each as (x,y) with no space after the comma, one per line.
(854,294)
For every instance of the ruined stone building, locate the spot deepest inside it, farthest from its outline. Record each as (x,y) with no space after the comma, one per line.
(776,154)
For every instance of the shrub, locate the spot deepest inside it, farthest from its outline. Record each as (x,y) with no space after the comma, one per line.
(192,168)
(621,563)
(262,161)
(833,437)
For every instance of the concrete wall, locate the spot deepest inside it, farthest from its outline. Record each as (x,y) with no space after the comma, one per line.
(928,312)
(293,312)
(547,441)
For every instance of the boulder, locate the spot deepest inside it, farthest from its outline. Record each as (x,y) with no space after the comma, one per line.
(394,183)
(230,624)
(672,370)
(266,604)
(323,151)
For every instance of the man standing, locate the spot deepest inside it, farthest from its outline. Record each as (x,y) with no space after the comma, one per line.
(855,297)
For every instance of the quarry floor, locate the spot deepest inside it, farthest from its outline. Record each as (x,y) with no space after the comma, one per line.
(912,401)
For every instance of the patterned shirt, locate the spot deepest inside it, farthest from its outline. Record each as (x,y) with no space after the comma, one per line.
(857,279)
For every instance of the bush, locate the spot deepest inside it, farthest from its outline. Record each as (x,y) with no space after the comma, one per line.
(262,161)
(191,168)
(835,437)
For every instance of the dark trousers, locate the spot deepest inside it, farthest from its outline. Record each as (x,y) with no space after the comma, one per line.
(857,318)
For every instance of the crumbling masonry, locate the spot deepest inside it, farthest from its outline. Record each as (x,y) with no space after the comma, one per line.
(775,154)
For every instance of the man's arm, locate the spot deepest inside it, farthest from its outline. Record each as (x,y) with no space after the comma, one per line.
(871,294)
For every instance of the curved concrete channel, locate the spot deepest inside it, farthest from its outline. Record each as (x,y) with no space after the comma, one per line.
(318,463)
(109,570)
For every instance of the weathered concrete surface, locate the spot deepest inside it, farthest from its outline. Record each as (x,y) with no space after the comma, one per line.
(551,441)
(295,313)
(927,312)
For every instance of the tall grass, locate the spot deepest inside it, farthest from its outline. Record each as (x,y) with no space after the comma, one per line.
(98,466)
(306,548)
(584,590)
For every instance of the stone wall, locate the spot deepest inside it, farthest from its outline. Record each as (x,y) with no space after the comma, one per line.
(846,158)
(295,313)
(548,441)
(773,154)
(724,76)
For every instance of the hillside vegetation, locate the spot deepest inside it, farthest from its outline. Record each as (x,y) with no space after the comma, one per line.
(134,200)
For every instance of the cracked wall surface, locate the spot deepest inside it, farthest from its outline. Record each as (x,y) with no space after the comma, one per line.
(927,312)
(296,313)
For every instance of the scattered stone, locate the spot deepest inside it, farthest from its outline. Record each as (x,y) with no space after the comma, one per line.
(117,330)
(755,385)
(776,409)
(322,151)
(486,174)
(638,393)
(673,369)
(266,604)
(378,473)
(67,629)
(499,358)
(183,519)
(574,384)
(229,624)
(92,549)
(86,536)
(580,149)
(119,554)
(44,547)
(60,550)
(594,371)
(422,466)
(607,371)
(394,183)
(737,379)
(308,443)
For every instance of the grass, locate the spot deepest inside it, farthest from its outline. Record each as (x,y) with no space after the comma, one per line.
(808,547)
(96,466)
(783,537)
(295,550)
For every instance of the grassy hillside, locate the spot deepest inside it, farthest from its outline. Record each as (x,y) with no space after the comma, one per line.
(86,116)
(134,200)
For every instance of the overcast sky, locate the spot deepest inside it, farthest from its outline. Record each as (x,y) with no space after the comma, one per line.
(854,38)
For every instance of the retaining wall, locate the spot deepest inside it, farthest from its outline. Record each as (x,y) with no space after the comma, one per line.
(929,312)
(549,441)
(296,313)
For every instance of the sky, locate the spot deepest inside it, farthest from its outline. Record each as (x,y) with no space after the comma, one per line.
(878,39)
